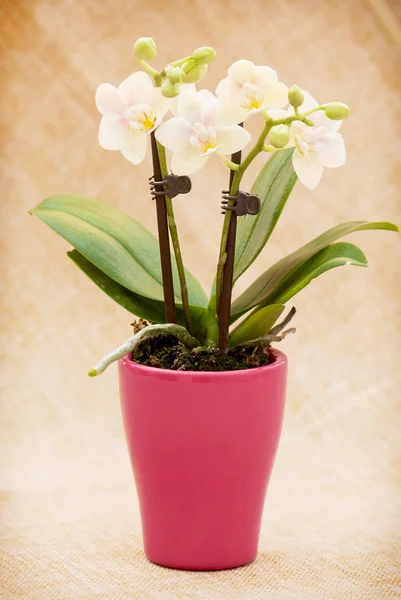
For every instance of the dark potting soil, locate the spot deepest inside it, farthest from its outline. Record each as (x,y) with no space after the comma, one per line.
(166,352)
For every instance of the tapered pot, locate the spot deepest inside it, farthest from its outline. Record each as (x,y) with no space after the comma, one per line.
(202,447)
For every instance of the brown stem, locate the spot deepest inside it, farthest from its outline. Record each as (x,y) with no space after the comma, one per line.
(164,241)
(224,306)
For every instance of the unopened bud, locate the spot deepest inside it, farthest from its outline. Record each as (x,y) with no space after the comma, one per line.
(168,89)
(174,74)
(204,55)
(337,111)
(295,96)
(279,136)
(192,71)
(145,48)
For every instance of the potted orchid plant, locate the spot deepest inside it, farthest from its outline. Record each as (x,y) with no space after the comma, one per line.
(202,389)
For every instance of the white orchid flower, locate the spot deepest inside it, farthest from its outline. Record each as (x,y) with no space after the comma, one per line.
(315,147)
(249,89)
(130,112)
(196,132)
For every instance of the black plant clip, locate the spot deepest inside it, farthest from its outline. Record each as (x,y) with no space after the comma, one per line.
(174,185)
(245,203)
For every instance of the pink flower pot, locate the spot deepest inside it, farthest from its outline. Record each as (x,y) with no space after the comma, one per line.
(202,447)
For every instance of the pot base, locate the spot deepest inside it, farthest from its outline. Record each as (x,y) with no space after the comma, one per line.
(207,566)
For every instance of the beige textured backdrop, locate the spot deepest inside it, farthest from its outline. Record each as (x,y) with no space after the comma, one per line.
(69,516)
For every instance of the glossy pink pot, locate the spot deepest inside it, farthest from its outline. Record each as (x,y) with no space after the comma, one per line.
(202,447)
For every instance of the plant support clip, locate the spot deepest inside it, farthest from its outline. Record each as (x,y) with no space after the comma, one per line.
(245,203)
(174,185)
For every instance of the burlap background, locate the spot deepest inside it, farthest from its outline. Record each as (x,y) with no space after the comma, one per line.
(69,517)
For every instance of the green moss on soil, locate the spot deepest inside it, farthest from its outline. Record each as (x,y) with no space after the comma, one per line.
(165,352)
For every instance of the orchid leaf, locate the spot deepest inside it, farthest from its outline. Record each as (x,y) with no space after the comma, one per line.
(115,243)
(140,306)
(256,325)
(273,186)
(335,255)
(266,287)
(145,308)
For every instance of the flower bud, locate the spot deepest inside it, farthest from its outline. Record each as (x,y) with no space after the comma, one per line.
(279,136)
(168,89)
(337,111)
(295,96)
(145,48)
(174,74)
(192,71)
(204,55)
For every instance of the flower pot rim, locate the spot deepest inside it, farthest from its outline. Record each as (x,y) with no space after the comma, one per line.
(127,363)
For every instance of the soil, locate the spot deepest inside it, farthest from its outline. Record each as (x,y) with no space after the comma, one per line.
(165,352)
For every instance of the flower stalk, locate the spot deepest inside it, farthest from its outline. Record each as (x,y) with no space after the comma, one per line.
(164,241)
(175,241)
(235,180)
(228,270)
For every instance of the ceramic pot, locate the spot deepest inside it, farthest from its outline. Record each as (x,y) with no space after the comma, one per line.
(202,447)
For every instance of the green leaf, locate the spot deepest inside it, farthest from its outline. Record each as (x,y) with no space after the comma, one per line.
(273,185)
(115,243)
(146,308)
(140,306)
(256,325)
(335,255)
(269,282)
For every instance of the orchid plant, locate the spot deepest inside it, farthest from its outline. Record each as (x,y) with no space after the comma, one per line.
(163,110)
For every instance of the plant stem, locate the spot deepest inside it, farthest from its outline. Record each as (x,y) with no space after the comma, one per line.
(152,72)
(228,271)
(288,120)
(180,61)
(164,242)
(176,242)
(234,189)
(230,164)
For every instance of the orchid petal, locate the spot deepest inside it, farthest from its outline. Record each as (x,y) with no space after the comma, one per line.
(232,139)
(108,100)
(320,119)
(189,107)
(134,148)
(309,170)
(205,96)
(210,112)
(241,71)
(232,114)
(136,89)
(265,76)
(159,103)
(112,132)
(276,96)
(186,88)
(174,134)
(226,90)
(333,153)
(309,102)
(188,161)
(277,113)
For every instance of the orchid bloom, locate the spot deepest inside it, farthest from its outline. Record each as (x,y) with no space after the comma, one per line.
(130,112)
(196,132)
(315,147)
(249,89)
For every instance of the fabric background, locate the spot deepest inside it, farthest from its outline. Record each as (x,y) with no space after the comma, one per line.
(70,526)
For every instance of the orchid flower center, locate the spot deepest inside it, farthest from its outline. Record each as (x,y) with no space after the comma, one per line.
(308,140)
(205,138)
(251,97)
(140,118)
